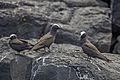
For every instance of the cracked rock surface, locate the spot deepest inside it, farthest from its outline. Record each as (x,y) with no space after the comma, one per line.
(65,61)
(31,19)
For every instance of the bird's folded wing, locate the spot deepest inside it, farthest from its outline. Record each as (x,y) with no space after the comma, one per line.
(42,42)
(92,47)
(26,42)
(17,42)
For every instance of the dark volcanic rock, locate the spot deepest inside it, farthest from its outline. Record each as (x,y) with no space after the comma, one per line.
(20,68)
(32,18)
(6,5)
(84,3)
(115,25)
(5,71)
(65,61)
(85,71)
(95,22)
(117,46)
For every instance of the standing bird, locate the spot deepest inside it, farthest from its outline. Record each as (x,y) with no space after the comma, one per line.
(47,39)
(19,44)
(90,49)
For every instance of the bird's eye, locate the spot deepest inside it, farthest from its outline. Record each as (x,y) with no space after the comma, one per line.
(83,36)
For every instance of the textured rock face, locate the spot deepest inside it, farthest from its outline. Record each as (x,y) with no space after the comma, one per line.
(5,71)
(30,19)
(117,46)
(65,61)
(94,21)
(115,26)
(69,63)
(20,68)
(85,3)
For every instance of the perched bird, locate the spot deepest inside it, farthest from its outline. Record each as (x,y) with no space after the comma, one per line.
(90,49)
(46,40)
(19,44)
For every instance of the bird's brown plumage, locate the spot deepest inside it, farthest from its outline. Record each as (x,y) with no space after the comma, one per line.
(47,39)
(91,50)
(44,41)
(20,44)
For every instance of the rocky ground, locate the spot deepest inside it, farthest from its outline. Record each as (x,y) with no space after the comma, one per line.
(31,19)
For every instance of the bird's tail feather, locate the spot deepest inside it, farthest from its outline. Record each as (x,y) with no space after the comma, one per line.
(104,58)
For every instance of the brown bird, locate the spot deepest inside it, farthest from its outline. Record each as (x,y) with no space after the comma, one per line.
(19,44)
(47,39)
(90,49)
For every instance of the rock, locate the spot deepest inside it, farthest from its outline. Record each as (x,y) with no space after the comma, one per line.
(61,64)
(36,16)
(108,2)
(5,57)
(7,5)
(31,19)
(20,67)
(19,23)
(95,22)
(23,3)
(84,3)
(117,46)
(5,71)
(65,61)
(73,72)
(59,12)
(115,23)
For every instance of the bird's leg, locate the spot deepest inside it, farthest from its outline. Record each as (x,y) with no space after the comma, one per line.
(49,49)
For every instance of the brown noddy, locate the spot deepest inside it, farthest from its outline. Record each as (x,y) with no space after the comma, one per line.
(90,49)
(46,40)
(19,44)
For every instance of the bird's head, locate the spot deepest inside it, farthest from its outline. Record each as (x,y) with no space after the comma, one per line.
(13,36)
(83,35)
(55,27)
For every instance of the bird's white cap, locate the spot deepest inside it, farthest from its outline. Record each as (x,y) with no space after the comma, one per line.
(13,35)
(57,25)
(83,32)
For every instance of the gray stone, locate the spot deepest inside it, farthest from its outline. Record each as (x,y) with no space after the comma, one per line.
(7,5)
(59,12)
(115,23)
(84,3)
(5,71)
(20,67)
(65,61)
(95,22)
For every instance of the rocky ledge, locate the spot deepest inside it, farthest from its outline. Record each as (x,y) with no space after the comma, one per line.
(65,61)
(30,19)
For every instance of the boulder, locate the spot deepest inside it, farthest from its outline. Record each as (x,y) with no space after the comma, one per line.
(65,61)
(115,25)
(95,22)
(71,63)
(20,67)
(85,3)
